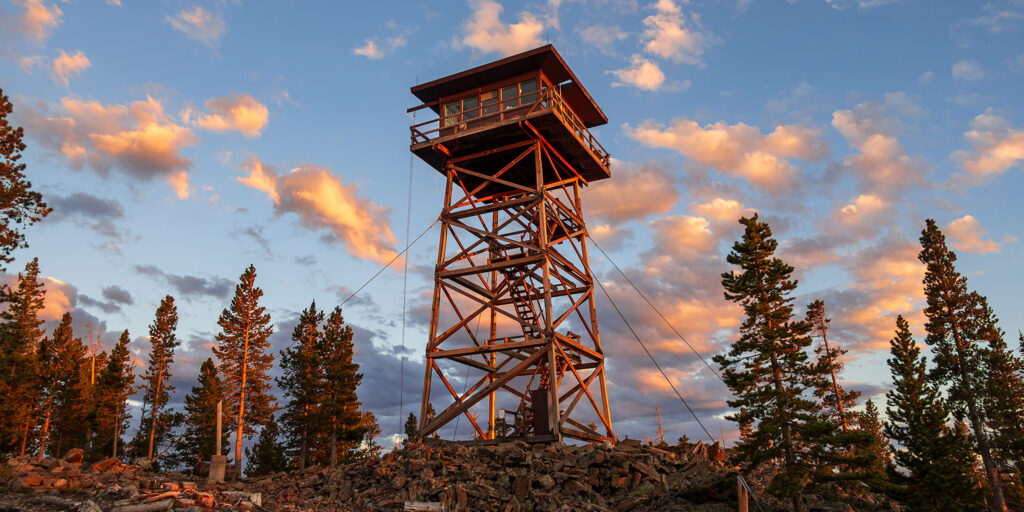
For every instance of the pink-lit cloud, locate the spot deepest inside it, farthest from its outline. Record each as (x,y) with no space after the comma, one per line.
(995,146)
(199,24)
(241,113)
(139,140)
(641,73)
(968,235)
(637,191)
(38,19)
(881,166)
(322,200)
(64,66)
(485,32)
(670,35)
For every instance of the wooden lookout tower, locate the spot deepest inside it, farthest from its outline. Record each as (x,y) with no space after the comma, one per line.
(513,325)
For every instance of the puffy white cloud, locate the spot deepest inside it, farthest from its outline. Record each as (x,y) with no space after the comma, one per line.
(484,30)
(38,19)
(322,200)
(139,139)
(996,146)
(199,24)
(637,191)
(968,70)
(861,218)
(64,66)
(882,167)
(603,37)
(739,150)
(968,236)
(374,50)
(241,112)
(669,35)
(641,73)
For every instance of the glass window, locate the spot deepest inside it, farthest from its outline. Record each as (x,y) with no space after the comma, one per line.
(527,87)
(509,97)
(489,101)
(451,113)
(469,110)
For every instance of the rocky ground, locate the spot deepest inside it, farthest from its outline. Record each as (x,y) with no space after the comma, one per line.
(504,478)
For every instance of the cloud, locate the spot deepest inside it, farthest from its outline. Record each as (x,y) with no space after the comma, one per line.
(118,295)
(189,286)
(926,77)
(94,212)
(638,191)
(199,24)
(38,19)
(670,36)
(967,235)
(603,37)
(139,140)
(241,112)
(996,147)
(66,65)
(374,50)
(484,31)
(738,150)
(322,200)
(882,166)
(863,217)
(999,17)
(968,70)
(642,74)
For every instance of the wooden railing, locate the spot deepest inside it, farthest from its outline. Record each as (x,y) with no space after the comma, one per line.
(525,105)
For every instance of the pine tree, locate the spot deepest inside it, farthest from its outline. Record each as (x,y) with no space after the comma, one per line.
(928,450)
(877,448)
(60,355)
(767,368)
(156,381)
(834,399)
(411,426)
(199,441)
(339,410)
(1003,398)
(21,331)
(20,206)
(301,380)
(953,333)
(267,455)
(114,385)
(243,351)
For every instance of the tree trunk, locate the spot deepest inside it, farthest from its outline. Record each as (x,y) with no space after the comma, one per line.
(334,441)
(835,383)
(241,406)
(156,398)
(46,428)
(976,425)
(787,436)
(24,436)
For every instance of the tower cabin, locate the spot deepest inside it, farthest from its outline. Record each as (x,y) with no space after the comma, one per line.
(486,112)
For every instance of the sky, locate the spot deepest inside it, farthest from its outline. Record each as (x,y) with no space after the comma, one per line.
(178,142)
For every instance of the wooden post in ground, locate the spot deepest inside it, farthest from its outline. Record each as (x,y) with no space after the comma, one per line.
(741,494)
(218,462)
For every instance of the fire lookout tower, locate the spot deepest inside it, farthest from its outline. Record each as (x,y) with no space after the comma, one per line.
(512,139)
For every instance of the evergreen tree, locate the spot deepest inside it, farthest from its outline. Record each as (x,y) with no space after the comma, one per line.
(953,330)
(243,351)
(1003,398)
(199,441)
(114,385)
(20,206)
(21,331)
(60,356)
(267,455)
(156,381)
(928,450)
(339,410)
(411,426)
(835,400)
(301,380)
(767,368)
(877,447)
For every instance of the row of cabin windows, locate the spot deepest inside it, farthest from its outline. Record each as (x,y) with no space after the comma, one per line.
(485,103)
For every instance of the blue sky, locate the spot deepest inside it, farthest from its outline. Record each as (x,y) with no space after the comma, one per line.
(181,141)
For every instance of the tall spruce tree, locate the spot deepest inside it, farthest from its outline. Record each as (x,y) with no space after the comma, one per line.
(199,441)
(766,368)
(1003,397)
(268,454)
(156,381)
(60,357)
(954,330)
(926,448)
(339,411)
(835,400)
(302,375)
(114,385)
(877,447)
(21,331)
(243,352)
(20,206)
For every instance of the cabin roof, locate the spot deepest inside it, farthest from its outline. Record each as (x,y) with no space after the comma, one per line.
(545,58)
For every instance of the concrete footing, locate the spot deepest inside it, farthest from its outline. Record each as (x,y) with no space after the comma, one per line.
(218,464)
